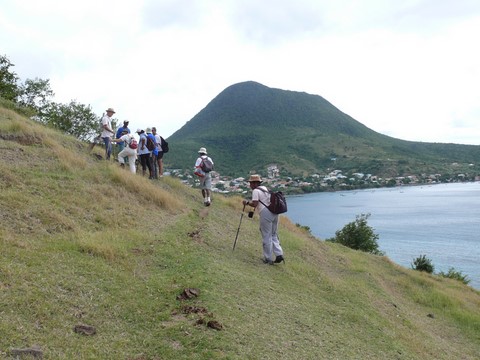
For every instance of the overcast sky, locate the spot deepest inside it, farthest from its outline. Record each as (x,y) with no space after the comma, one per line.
(408,69)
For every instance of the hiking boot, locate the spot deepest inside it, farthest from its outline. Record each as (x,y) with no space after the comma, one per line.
(267,261)
(279,259)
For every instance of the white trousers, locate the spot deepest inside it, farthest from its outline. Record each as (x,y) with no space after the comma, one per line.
(132,156)
(268,228)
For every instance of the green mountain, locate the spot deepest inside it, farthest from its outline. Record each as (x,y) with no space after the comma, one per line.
(249,126)
(99,263)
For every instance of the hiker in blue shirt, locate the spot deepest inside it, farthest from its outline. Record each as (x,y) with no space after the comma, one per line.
(122,130)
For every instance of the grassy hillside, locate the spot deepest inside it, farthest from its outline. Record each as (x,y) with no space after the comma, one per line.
(85,243)
(249,125)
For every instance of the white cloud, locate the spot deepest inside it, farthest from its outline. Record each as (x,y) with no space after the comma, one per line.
(406,69)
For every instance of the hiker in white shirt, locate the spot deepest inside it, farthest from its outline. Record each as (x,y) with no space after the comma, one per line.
(107,132)
(128,151)
(144,153)
(268,221)
(205,177)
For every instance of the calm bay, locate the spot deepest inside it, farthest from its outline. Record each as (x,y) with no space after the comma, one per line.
(440,221)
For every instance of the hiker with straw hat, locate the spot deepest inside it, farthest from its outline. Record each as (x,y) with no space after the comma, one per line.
(107,132)
(268,221)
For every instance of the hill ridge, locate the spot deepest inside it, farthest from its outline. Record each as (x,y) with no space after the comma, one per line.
(249,125)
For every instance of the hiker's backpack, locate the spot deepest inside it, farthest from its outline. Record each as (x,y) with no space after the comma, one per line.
(164,145)
(278,203)
(150,144)
(133,143)
(206,165)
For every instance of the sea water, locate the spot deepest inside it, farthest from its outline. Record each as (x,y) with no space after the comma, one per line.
(440,221)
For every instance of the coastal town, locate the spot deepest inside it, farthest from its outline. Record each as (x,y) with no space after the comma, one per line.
(334,180)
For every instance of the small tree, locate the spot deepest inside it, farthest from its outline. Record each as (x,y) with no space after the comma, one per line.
(35,94)
(75,119)
(8,80)
(422,263)
(358,235)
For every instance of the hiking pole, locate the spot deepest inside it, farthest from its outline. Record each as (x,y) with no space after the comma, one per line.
(238,230)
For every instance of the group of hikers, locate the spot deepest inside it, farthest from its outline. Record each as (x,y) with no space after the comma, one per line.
(149,149)
(151,158)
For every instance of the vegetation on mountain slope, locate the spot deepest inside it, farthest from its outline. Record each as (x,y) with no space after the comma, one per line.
(85,243)
(248,126)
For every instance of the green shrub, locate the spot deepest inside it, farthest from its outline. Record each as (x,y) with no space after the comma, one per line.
(456,275)
(304,227)
(422,263)
(358,235)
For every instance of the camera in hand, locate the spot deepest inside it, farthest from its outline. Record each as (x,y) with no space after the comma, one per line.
(250,214)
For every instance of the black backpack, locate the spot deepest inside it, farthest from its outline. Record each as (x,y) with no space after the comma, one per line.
(164,145)
(278,203)
(206,165)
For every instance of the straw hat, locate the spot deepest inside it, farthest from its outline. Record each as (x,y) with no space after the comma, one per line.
(255,178)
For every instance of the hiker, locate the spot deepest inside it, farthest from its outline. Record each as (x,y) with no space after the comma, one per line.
(129,151)
(268,221)
(205,177)
(153,153)
(144,153)
(107,132)
(158,161)
(120,132)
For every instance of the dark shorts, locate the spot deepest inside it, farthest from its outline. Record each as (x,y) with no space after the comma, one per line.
(160,155)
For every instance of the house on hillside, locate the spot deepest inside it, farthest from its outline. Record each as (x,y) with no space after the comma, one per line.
(273,171)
